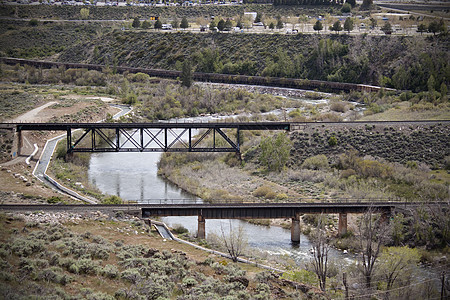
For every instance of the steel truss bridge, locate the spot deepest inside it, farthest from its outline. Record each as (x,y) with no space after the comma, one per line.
(151,137)
(172,136)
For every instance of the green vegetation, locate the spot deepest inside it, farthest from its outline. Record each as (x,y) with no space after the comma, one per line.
(399,62)
(99,260)
(275,152)
(15,102)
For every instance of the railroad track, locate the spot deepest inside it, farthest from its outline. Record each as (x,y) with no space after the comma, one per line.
(212,77)
(138,206)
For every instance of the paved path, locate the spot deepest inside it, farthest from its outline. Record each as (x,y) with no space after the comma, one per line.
(49,148)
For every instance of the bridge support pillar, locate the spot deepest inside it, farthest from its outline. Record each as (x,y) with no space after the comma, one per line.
(342,225)
(201,231)
(295,229)
(19,142)
(385,215)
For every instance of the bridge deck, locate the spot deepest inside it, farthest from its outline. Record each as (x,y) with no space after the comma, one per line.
(228,211)
(156,125)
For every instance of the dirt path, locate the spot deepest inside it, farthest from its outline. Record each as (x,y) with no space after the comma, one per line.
(32,115)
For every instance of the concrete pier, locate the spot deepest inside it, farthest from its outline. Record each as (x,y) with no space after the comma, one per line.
(201,231)
(342,225)
(295,229)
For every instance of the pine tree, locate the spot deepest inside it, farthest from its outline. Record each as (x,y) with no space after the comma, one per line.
(158,24)
(184,23)
(221,25)
(318,26)
(186,73)
(348,25)
(136,23)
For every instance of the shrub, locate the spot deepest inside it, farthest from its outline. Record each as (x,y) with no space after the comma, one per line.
(33,22)
(131,275)
(347,173)
(262,191)
(53,258)
(24,247)
(110,271)
(338,106)
(61,150)
(372,168)
(112,200)
(318,162)
(189,282)
(140,77)
(6,276)
(282,196)
(129,251)
(332,141)
(53,274)
(54,199)
(85,266)
(180,229)
(275,152)
(303,276)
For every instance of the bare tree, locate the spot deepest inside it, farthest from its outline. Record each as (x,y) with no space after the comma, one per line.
(373,233)
(320,249)
(235,242)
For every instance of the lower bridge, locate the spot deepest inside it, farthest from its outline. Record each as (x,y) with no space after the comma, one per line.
(241,211)
(269,211)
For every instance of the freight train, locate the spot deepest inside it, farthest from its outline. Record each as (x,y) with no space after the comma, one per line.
(320,85)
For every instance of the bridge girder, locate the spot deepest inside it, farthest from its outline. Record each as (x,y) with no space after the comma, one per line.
(156,140)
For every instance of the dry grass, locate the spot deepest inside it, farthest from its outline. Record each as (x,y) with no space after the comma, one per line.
(401,111)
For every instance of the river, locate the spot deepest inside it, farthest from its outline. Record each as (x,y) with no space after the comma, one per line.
(133,176)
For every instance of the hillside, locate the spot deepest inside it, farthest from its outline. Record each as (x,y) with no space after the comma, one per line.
(399,62)
(96,256)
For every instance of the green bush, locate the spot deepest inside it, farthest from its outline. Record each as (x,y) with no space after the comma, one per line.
(6,276)
(110,271)
(54,199)
(112,200)
(53,274)
(262,191)
(318,162)
(189,282)
(131,275)
(25,247)
(85,266)
(61,150)
(332,141)
(180,229)
(275,152)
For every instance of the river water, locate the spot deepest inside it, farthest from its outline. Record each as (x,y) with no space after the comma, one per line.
(133,176)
